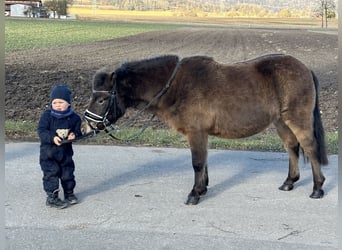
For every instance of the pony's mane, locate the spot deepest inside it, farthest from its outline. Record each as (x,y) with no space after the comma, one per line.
(141,65)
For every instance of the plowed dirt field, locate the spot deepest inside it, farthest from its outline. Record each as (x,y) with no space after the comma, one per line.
(30,74)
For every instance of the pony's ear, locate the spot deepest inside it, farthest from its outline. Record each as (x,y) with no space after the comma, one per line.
(113,77)
(100,78)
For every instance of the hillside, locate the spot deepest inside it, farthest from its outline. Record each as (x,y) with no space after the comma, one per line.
(205,5)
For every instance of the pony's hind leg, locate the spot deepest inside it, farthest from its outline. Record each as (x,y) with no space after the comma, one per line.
(198,144)
(308,142)
(309,146)
(292,147)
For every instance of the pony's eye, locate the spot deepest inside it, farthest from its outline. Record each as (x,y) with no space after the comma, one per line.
(101,101)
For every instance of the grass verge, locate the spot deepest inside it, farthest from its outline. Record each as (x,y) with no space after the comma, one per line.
(26,131)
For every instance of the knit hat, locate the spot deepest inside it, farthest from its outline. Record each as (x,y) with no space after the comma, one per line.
(60,92)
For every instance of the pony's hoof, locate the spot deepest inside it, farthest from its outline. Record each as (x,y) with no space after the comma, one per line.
(286,187)
(192,200)
(317,194)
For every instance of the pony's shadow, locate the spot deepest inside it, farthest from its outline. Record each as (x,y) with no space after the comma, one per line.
(246,172)
(149,169)
(182,164)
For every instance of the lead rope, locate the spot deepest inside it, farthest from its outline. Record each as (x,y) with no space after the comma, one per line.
(82,137)
(131,138)
(159,95)
(132,120)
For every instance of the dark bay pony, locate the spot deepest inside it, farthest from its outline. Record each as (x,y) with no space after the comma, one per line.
(198,96)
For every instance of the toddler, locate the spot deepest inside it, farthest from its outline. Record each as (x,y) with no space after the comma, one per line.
(57,123)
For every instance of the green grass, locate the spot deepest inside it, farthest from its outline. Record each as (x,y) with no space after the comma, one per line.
(17,130)
(39,33)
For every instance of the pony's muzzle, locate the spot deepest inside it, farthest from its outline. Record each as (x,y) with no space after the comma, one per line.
(85,127)
(96,121)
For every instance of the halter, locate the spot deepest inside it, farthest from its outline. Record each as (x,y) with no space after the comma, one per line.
(102,122)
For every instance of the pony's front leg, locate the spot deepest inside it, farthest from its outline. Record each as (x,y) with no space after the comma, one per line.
(198,144)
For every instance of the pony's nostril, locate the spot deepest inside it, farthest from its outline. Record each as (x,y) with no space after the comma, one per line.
(101,126)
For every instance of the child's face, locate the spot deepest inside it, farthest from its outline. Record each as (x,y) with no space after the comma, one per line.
(59,104)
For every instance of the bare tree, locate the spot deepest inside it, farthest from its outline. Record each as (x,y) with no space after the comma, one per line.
(325,9)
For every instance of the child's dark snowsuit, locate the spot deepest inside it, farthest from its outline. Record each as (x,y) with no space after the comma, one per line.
(56,161)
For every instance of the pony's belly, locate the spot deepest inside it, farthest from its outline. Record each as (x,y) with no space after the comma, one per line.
(242,133)
(240,129)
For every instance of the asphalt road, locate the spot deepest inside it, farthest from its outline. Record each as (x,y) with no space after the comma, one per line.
(133,198)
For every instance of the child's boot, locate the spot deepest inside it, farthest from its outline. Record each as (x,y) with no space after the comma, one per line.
(52,200)
(70,197)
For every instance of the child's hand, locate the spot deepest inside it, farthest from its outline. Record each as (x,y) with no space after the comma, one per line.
(57,140)
(71,136)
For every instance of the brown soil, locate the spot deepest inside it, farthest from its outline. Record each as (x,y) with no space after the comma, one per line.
(30,74)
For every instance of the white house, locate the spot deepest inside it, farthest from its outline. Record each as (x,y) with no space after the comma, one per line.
(20,10)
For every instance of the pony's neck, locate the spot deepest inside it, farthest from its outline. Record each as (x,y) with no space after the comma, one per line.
(155,81)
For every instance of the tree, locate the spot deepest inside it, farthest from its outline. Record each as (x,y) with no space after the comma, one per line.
(284,13)
(58,6)
(325,10)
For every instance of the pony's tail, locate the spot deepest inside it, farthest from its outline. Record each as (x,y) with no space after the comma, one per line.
(321,153)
